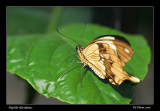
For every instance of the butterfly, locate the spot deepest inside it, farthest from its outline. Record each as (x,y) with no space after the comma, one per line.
(106,56)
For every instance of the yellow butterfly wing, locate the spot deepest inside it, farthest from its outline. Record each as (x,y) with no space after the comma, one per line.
(124,51)
(120,45)
(91,54)
(107,59)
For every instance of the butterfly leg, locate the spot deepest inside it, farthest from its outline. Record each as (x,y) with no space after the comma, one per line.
(70,56)
(81,76)
(70,67)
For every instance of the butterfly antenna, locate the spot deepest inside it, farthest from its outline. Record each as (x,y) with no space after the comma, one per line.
(66,36)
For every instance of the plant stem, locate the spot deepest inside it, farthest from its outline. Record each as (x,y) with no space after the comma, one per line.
(54,19)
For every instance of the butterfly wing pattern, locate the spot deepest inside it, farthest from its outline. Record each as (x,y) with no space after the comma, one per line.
(106,56)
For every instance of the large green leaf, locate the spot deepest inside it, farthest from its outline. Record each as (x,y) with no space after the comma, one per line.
(42,60)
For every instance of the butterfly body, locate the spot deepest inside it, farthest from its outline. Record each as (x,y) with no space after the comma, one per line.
(106,56)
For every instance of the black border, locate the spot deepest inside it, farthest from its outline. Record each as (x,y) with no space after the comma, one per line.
(81,3)
(4,4)
(3,53)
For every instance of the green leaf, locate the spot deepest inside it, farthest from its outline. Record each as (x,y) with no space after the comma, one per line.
(42,60)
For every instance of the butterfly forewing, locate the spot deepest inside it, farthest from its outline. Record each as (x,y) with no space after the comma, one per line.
(106,56)
(124,51)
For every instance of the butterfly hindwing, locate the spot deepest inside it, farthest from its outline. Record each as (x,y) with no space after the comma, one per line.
(93,60)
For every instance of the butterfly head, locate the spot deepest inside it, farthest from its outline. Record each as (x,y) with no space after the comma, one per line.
(79,48)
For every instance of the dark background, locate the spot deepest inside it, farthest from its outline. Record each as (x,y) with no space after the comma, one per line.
(32,20)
